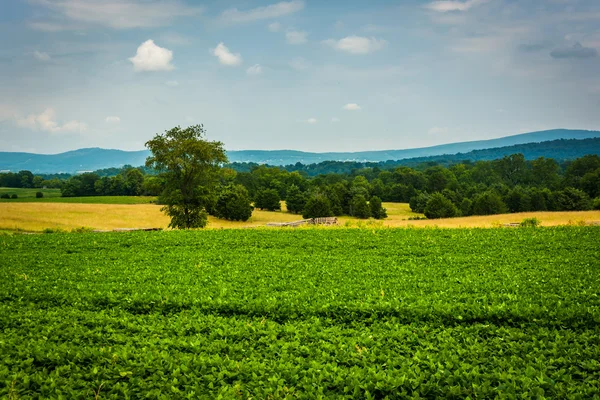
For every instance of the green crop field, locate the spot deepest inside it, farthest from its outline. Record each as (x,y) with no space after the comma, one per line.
(310,313)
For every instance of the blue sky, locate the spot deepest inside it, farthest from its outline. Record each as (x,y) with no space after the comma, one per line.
(298,74)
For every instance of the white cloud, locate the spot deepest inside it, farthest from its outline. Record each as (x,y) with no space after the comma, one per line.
(296,37)
(118,14)
(150,57)
(41,56)
(280,9)
(114,120)
(256,69)
(451,5)
(172,83)
(351,107)
(7,112)
(46,121)
(335,119)
(436,130)
(356,44)
(274,26)
(312,121)
(225,56)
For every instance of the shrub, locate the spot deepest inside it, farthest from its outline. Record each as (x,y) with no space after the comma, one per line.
(317,206)
(5,196)
(234,204)
(14,196)
(39,195)
(530,222)
(439,206)
(596,203)
(268,199)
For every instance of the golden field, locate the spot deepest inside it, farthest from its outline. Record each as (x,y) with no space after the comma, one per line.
(35,217)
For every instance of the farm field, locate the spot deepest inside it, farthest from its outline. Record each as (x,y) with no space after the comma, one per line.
(305,313)
(38,216)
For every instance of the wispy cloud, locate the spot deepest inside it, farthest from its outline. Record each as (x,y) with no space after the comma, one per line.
(117,14)
(225,56)
(256,69)
(274,26)
(150,57)
(351,107)
(113,120)
(450,5)
(311,121)
(356,44)
(277,10)
(296,37)
(575,51)
(41,56)
(46,121)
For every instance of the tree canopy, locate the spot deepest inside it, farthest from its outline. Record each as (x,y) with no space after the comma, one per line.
(188,164)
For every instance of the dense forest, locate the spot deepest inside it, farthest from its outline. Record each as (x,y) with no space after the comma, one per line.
(508,184)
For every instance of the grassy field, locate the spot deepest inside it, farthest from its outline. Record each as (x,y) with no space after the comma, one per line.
(37,216)
(305,313)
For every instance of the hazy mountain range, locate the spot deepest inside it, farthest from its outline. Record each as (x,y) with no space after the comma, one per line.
(96,158)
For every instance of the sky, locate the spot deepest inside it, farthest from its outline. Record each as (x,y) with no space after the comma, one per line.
(300,74)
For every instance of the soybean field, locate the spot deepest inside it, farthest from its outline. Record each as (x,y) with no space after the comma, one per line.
(307,313)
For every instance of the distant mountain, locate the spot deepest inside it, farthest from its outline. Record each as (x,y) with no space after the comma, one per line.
(96,158)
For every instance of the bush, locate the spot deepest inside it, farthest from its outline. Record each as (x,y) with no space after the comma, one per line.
(530,222)
(596,203)
(5,196)
(317,206)
(268,199)
(377,210)
(234,204)
(465,206)
(14,196)
(439,206)
(39,195)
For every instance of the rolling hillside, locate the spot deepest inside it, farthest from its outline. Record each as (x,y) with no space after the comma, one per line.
(96,158)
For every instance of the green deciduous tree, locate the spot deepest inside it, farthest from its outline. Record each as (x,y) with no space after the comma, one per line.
(359,207)
(438,206)
(268,199)
(377,210)
(234,204)
(188,165)
(295,200)
(317,206)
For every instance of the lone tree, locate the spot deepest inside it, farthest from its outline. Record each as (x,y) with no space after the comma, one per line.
(189,165)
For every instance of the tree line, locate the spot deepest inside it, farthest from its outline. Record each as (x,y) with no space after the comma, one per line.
(508,184)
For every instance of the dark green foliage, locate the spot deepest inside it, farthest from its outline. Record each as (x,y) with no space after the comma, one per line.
(234,204)
(5,196)
(39,195)
(530,222)
(14,196)
(571,199)
(417,203)
(466,207)
(295,200)
(317,206)
(359,207)
(319,313)
(596,203)
(377,210)
(488,203)
(268,199)
(439,206)
(189,167)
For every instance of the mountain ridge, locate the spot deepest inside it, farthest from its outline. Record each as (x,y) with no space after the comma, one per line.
(94,158)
